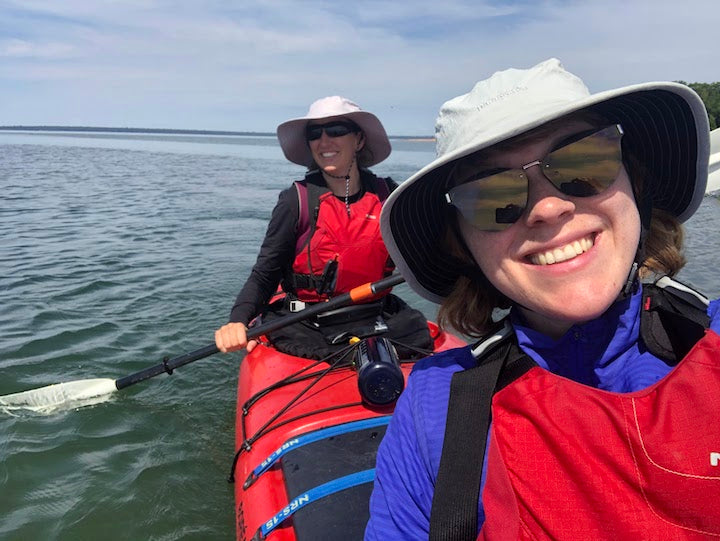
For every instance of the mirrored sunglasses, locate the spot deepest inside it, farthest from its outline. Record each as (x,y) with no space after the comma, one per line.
(314,132)
(494,200)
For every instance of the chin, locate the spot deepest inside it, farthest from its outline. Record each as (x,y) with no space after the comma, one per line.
(569,307)
(581,310)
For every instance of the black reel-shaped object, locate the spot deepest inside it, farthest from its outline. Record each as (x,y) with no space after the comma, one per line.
(380,379)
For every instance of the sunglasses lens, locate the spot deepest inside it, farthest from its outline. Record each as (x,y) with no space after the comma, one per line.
(491,203)
(582,168)
(333,129)
(313,133)
(588,166)
(337,130)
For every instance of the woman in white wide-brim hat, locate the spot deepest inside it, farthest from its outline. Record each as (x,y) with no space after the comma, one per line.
(323,238)
(589,411)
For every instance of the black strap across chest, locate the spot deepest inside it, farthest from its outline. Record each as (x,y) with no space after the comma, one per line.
(457,489)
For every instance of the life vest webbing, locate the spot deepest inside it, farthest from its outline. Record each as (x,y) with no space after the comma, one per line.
(454,513)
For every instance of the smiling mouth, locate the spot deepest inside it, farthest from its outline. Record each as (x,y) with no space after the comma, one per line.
(328,154)
(563,253)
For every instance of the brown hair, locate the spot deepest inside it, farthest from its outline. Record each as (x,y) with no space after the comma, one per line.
(470,305)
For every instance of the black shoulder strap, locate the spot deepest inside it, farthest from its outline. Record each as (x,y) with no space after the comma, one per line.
(382,189)
(673,318)
(457,488)
(378,185)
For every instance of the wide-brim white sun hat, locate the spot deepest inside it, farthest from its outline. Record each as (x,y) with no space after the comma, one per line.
(291,133)
(665,124)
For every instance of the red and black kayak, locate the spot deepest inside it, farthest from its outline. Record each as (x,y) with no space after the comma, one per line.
(306,441)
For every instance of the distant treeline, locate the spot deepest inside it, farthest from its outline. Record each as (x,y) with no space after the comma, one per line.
(710,94)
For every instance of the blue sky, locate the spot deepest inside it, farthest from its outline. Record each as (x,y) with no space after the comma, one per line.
(248,65)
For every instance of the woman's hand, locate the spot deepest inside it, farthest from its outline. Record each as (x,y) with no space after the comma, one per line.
(232,337)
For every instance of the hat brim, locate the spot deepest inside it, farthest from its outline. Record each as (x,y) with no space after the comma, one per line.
(291,135)
(669,126)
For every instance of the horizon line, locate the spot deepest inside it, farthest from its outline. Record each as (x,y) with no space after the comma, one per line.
(170,131)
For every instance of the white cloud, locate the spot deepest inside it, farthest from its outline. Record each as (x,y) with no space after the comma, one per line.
(250,65)
(17,48)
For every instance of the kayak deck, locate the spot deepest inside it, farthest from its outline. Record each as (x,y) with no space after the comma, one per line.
(306,446)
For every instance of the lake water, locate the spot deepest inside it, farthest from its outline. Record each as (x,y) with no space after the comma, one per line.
(118,250)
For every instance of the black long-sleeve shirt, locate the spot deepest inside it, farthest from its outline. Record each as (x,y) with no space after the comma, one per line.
(277,252)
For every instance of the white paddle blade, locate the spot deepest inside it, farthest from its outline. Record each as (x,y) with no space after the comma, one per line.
(61,396)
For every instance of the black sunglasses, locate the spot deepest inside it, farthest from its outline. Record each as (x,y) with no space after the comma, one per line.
(338,128)
(494,200)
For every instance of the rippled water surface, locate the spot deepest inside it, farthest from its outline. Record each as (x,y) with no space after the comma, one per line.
(118,251)
(115,252)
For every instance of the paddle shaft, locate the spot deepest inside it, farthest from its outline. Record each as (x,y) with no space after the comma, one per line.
(358,294)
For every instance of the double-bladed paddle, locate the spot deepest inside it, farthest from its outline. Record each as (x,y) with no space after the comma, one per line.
(90,391)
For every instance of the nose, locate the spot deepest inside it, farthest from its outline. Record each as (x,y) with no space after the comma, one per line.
(546,204)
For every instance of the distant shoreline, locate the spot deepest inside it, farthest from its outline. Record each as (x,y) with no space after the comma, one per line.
(170,131)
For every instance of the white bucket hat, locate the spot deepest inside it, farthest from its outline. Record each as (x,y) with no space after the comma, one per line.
(291,134)
(665,123)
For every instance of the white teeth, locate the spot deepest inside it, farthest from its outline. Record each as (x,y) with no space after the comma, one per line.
(328,154)
(563,253)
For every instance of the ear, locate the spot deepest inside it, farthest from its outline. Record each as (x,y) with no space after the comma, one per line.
(360,142)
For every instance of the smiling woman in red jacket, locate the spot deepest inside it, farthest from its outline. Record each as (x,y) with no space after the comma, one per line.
(324,239)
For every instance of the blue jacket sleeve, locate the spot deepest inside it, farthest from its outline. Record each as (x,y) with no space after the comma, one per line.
(714,313)
(402,495)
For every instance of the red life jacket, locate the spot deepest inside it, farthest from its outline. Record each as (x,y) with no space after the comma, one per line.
(642,465)
(352,241)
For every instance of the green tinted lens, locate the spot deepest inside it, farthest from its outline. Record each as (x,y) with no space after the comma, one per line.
(588,166)
(491,203)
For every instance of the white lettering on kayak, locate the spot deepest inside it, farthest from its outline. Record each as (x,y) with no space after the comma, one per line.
(279,451)
(293,506)
(714,459)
